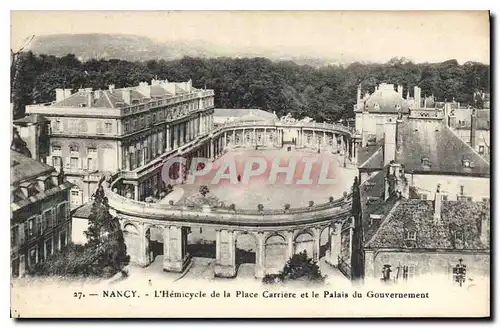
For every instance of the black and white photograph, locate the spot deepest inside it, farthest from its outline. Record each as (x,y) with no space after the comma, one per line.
(258,164)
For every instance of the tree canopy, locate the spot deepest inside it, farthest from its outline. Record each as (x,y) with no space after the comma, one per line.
(325,93)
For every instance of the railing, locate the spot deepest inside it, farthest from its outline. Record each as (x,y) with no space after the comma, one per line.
(345,268)
(300,215)
(277,123)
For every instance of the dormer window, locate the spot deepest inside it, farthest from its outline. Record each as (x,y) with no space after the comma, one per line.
(411,235)
(426,163)
(467,163)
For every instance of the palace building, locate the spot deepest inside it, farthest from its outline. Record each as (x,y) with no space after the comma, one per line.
(98,132)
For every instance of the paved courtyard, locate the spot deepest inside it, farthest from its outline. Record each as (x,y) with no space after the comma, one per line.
(261,190)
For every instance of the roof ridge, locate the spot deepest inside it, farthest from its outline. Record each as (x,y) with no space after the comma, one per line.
(384,222)
(466,144)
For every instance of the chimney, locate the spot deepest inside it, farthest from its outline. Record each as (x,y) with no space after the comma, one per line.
(438,198)
(89,94)
(97,94)
(390,141)
(400,90)
(111,87)
(484,229)
(60,96)
(416,97)
(67,93)
(126,96)
(358,96)
(473,119)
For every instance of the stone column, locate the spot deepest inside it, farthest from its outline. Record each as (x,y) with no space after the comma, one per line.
(212,153)
(176,136)
(175,256)
(143,253)
(316,244)
(225,259)
(335,244)
(260,256)
(324,138)
(313,138)
(136,191)
(289,239)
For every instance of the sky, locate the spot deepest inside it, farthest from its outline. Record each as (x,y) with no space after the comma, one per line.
(343,36)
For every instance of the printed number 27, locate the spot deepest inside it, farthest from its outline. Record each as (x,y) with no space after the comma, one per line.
(78,295)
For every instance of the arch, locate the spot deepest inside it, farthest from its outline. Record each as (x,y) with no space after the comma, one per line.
(304,241)
(324,240)
(245,252)
(130,228)
(276,248)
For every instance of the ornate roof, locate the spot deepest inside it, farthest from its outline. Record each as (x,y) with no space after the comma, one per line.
(386,100)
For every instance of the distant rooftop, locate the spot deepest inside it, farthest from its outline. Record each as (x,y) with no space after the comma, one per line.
(23,167)
(222,115)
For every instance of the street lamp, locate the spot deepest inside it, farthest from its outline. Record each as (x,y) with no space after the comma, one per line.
(459,272)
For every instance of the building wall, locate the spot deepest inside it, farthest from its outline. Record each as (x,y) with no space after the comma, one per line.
(78,228)
(32,240)
(475,187)
(430,262)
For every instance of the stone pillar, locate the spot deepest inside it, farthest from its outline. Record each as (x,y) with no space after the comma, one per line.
(225,139)
(212,154)
(324,138)
(260,256)
(225,259)
(143,253)
(289,239)
(176,136)
(167,139)
(316,244)
(136,192)
(175,256)
(335,244)
(314,138)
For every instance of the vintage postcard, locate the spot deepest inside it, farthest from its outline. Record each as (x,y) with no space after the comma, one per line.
(225,164)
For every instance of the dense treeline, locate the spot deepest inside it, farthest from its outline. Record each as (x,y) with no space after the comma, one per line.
(325,93)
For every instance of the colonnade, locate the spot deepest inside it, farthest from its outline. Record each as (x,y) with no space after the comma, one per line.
(176,257)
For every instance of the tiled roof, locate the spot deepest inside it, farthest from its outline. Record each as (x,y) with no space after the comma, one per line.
(417,216)
(371,157)
(23,168)
(83,211)
(387,100)
(31,119)
(433,140)
(372,202)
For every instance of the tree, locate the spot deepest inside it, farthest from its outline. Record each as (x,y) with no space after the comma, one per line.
(106,237)
(204,190)
(299,267)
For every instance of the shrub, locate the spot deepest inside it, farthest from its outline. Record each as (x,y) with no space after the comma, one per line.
(287,207)
(260,207)
(171,202)
(311,203)
(204,190)
(331,199)
(299,267)
(232,207)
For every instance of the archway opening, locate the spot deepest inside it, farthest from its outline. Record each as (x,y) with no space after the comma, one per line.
(245,255)
(154,235)
(131,239)
(304,242)
(201,242)
(324,242)
(275,254)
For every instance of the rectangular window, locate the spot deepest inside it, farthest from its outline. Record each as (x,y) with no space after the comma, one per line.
(48,247)
(445,197)
(126,127)
(459,235)
(32,257)
(481,150)
(61,212)
(31,227)
(108,127)
(411,235)
(74,148)
(14,235)
(56,161)
(74,162)
(423,196)
(39,228)
(90,163)
(56,148)
(62,239)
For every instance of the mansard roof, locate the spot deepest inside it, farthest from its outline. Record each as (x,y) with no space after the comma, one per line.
(24,168)
(416,215)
